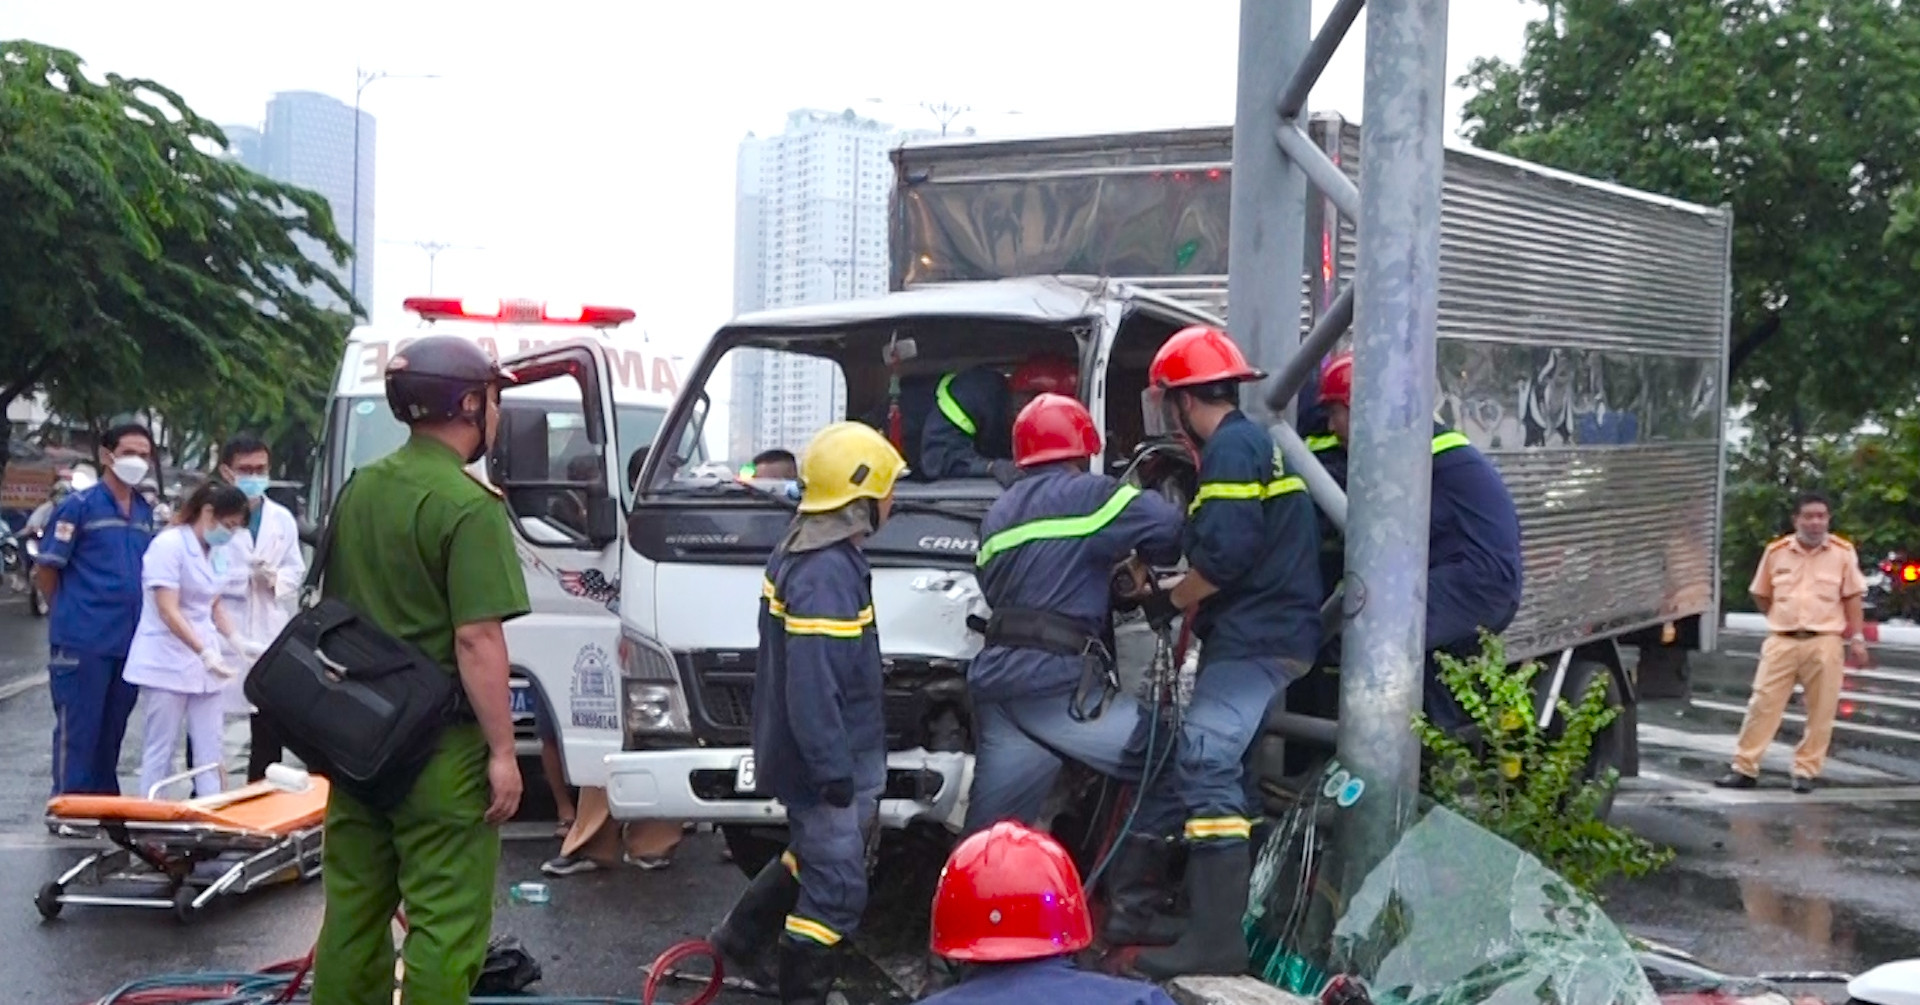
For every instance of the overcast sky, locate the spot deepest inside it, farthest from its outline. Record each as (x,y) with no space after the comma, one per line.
(588,148)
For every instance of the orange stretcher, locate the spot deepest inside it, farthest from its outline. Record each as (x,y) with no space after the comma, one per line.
(181,854)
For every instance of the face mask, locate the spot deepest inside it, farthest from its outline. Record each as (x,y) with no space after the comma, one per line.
(130,469)
(254,486)
(219,536)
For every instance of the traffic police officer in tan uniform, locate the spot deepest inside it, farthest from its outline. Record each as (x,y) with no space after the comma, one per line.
(425,551)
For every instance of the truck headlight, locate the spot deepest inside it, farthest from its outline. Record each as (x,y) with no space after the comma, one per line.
(651,702)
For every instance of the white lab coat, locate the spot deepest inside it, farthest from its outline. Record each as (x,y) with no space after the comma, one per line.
(260,610)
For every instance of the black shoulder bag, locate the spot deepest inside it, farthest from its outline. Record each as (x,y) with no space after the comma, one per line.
(356,705)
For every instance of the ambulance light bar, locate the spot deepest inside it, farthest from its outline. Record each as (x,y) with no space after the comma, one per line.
(526,312)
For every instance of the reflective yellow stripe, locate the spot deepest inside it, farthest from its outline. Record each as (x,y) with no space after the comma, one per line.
(838,628)
(805,929)
(1325,441)
(792,864)
(1245,491)
(1056,528)
(1219,828)
(951,408)
(774,606)
(1448,441)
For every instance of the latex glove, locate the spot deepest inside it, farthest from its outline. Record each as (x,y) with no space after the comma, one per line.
(838,792)
(1003,471)
(215,665)
(249,649)
(265,576)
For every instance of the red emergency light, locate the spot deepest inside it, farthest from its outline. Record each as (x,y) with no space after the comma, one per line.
(526,312)
(1906,572)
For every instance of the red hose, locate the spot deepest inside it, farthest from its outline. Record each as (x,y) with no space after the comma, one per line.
(676,954)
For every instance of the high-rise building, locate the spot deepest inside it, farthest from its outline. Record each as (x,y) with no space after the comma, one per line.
(810,225)
(309,141)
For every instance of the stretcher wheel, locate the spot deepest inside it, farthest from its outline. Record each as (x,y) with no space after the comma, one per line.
(48,901)
(183,904)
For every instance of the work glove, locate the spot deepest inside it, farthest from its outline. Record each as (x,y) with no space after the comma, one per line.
(838,792)
(1159,609)
(215,665)
(1003,471)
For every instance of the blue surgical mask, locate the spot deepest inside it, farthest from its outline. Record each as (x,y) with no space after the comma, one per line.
(254,486)
(219,535)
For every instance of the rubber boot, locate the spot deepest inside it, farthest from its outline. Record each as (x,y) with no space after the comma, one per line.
(755,922)
(1135,886)
(1214,943)
(807,970)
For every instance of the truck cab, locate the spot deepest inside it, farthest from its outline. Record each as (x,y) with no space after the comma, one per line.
(590,398)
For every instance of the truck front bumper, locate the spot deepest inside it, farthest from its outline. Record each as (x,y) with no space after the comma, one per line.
(702,784)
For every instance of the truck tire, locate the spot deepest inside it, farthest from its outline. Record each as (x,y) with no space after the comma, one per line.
(1610,744)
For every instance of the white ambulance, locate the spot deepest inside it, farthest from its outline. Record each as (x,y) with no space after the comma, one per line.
(592,397)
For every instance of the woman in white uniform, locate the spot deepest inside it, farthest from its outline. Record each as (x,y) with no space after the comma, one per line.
(264,573)
(175,658)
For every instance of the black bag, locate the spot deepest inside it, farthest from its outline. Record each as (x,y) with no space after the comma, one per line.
(355,704)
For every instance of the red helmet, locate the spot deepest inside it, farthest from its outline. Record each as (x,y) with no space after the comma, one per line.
(1009,893)
(1336,381)
(1053,427)
(1199,355)
(1045,375)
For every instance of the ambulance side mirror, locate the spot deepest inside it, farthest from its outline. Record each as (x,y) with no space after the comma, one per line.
(309,532)
(603,520)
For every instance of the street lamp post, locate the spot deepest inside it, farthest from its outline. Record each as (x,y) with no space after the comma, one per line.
(363,78)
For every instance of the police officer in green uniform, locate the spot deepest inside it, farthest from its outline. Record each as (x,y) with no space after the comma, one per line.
(425,551)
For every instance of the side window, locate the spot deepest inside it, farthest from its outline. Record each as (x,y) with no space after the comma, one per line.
(551,472)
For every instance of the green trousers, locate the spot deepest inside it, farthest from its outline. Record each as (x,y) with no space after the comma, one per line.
(438,855)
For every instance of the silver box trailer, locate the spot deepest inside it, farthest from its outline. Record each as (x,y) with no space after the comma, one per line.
(1582,339)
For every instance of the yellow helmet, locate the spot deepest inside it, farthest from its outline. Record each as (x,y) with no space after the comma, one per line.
(847,461)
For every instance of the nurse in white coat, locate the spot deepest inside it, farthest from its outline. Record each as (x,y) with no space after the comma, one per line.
(176,659)
(265,571)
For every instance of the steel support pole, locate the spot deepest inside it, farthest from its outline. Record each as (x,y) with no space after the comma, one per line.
(1326,331)
(1326,41)
(1300,460)
(1267,231)
(1390,452)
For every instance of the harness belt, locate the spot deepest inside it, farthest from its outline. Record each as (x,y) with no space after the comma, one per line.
(1032,628)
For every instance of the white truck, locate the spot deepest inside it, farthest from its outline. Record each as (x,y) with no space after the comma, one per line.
(1582,346)
(594,397)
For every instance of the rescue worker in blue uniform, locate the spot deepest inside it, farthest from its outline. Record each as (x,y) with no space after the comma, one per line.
(965,435)
(819,730)
(89,571)
(1043,688)
(1252,552)
(1009,906)
(1474,575)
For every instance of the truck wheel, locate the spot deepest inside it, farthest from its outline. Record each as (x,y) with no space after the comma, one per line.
(1610,744)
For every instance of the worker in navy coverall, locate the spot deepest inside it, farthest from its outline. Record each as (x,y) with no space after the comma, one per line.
(1010,906)
(89,570)
(1473,542)
(965,435)
(1252,552)
(819,732)
(1049,549)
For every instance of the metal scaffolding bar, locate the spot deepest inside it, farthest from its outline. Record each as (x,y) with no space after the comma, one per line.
(1325,174)
(1293,100)
(1267,228)
(1389,455)
(1325,491)
(1326,331)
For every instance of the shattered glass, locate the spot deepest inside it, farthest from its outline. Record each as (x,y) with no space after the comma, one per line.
(1452,915)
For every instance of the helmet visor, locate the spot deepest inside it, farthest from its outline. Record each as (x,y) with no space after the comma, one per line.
(1158,415)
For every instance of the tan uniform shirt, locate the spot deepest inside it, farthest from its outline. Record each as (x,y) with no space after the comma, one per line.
(1807,586)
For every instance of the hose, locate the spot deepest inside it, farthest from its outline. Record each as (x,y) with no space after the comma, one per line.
(1150,767)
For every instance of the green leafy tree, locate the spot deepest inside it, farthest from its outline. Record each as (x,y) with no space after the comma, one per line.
(1804,117)
(139,267)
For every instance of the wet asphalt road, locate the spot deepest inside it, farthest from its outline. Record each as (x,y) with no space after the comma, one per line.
(1766,880)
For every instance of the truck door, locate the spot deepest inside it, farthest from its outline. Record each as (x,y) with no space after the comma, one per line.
(554,455)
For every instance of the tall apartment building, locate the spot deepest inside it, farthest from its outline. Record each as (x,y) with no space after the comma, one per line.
(810,226)
(308,140)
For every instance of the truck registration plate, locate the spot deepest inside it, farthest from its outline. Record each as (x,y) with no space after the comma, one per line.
(522,701)
(743,775)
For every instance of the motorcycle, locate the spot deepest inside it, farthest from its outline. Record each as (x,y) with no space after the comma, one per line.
(36,600)
(19,555)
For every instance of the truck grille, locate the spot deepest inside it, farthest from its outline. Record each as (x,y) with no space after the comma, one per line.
(917,690)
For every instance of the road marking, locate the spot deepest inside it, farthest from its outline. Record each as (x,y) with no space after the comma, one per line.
(18,687)
(1881,731)
(1706,796)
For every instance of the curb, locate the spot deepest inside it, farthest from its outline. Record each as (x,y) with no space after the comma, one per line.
(1229,991)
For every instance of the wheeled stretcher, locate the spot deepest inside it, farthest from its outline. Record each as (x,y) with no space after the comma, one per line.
(181,854)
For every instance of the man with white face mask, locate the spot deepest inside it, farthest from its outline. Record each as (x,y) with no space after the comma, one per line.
(264,574)
(89,571)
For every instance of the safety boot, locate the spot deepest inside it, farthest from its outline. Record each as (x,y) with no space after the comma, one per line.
(1135,886)
(743,937)
(807,971)
(1214,943)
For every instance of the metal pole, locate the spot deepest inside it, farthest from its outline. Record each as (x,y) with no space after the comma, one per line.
(1267,228)
(1332,32)
(1390,454)
(1326,331)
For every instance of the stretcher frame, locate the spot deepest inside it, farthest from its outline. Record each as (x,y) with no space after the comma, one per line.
(166,855)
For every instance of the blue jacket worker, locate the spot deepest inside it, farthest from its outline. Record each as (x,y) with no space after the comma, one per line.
(89,569)
(1252,549)
(1009,907)
(965,435)
(1043,688)
(1473,544)
(819,732)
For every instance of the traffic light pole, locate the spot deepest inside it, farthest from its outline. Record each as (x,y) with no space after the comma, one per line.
(1394,302)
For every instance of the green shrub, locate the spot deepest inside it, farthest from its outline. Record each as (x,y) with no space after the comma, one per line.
(1529,785)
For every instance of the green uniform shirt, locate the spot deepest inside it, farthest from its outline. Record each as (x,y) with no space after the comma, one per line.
(422,548)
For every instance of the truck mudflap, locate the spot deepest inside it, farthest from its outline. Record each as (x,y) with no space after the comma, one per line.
(715,785)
